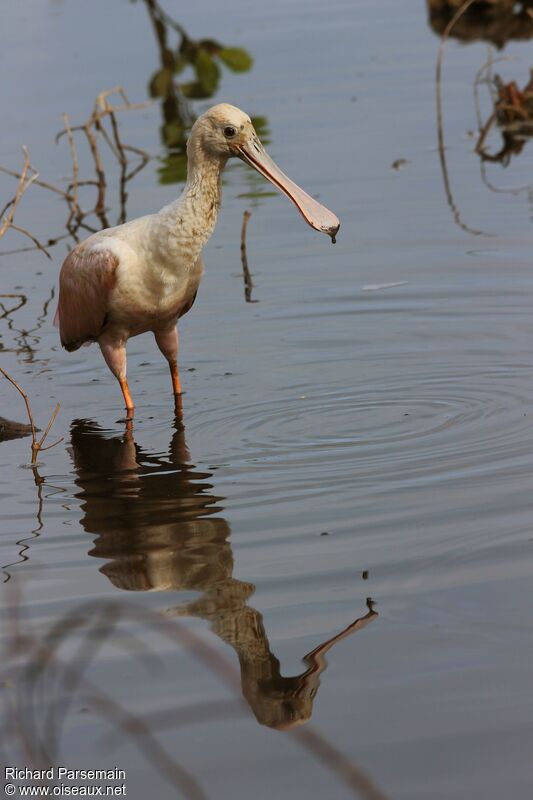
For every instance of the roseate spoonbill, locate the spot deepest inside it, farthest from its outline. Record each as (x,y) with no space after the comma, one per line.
(144,275)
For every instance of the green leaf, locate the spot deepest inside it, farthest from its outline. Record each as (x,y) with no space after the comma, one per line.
(207,71)
(194,90)
(236,58)
(160,83)
(210,45)
(188,50)
(180,62)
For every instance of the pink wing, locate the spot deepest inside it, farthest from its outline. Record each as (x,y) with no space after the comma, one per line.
(85,283)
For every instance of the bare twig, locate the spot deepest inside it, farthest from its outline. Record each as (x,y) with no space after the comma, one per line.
(36,445)
(8,212)
(36,181)
(248,283)
(23,184)
(93,130)
(36,242)
(74,207)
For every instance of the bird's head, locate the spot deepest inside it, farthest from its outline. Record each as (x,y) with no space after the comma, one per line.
(225,131)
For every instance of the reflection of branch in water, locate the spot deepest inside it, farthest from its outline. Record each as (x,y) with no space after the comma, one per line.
(25,337)
(440,128)
(513,114)
(47,674)
(25,543)
(484,75)
(154,526)
(37,446)
(6,312)
(496,21)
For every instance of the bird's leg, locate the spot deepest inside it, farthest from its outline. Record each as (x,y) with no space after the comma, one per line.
(167,341)
(130,408)
(115,357)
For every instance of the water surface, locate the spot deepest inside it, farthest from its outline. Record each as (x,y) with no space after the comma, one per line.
(378,392)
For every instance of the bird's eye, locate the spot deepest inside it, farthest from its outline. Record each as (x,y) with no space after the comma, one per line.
(229,131)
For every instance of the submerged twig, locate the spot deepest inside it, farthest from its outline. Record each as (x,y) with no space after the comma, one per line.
(440,128)
(247,275)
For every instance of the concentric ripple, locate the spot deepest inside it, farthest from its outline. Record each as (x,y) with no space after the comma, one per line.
(404,427)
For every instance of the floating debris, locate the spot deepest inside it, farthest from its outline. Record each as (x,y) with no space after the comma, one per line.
(399,164)
(513,114)
(13,430)
(375,287)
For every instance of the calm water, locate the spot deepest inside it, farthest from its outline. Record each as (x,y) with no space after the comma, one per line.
(379,391)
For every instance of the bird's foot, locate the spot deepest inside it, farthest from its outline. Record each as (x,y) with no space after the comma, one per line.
(130,415)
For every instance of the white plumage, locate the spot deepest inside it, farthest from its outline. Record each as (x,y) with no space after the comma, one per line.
(143,275)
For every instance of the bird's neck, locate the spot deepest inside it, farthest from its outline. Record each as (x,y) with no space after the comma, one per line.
(191,219)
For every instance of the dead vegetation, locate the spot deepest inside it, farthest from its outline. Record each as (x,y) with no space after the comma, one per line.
(513,115)
(246,274)
(7,215)
(37,444)
(512,108)
(440,123)
(102,127)
(86,198)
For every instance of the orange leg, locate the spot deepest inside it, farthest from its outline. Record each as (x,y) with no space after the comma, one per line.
(114,353)
(167,341)
(175,375)
(130,408)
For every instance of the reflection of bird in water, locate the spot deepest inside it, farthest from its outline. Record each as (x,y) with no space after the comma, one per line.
(153,520)
(276,701)
(144,275)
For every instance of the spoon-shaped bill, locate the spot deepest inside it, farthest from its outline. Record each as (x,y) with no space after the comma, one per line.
(316,215)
